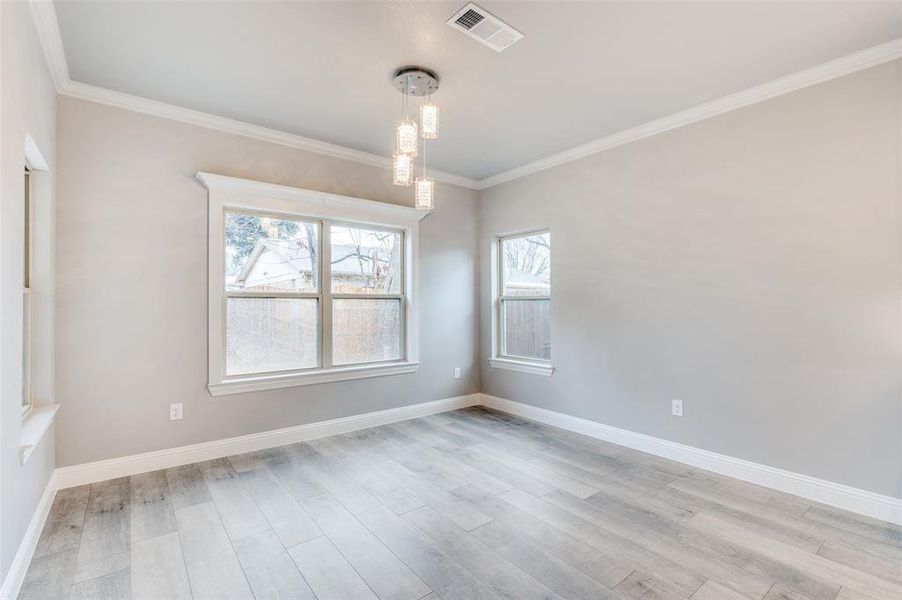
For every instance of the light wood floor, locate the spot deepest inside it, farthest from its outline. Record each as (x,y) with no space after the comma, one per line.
(468,504)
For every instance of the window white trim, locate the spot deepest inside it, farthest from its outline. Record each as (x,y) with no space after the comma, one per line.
(522,366)
(35,424)
(238,385)
(230,193)
(498,359)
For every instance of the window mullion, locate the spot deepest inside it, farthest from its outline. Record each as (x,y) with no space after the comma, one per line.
(352,296)
(287,295)
(523,298)
(325,287)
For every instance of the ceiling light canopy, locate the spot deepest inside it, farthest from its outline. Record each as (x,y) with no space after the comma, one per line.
(417,82)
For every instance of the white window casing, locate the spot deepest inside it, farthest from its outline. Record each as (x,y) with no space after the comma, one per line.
(38,410)
(229,194)
(27,308)
(500,358)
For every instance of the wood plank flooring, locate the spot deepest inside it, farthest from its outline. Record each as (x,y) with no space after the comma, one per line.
(467,504)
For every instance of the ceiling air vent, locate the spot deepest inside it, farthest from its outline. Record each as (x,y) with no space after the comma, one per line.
(484,27)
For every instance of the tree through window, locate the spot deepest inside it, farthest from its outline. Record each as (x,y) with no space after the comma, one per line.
(524,297)
(281,316)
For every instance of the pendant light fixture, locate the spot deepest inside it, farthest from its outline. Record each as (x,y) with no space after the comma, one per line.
(402,169)
(415,81)
(429,119)
(425,188)
(425,193)
(407,138)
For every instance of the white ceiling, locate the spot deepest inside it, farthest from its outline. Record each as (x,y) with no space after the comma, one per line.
(583,71)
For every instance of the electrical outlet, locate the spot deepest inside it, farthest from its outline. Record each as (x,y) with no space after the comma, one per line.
(677,408)
(456,372)
(175,411)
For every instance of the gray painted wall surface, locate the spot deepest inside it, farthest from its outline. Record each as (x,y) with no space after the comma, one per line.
(749,265)
(27,107)
(132,292)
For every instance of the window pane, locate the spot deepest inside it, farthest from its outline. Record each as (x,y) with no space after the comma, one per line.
(526,265)
(527,328)
(27,237)
(365,330)
(270,334)
(26,349)
(365,261)
(270,254)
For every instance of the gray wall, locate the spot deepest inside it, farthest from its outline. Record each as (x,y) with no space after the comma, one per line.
(132,291)
(749,265)
(27,108)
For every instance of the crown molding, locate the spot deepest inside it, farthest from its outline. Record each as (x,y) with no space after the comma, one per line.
(48,28)
(172,112)
(48,31)
(846,65)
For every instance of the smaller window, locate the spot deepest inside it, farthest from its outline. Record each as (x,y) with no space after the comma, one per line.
(26,293)
(524,297)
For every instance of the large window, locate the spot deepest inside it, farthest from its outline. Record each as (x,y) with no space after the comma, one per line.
(523,302)
(307,290)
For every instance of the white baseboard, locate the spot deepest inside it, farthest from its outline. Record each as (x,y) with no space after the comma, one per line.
(102,470)
(16,574)
(856,500)
(884,508)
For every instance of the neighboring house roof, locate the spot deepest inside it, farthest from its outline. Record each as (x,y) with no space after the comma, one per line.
(274,261)
(284,260)
(518,279)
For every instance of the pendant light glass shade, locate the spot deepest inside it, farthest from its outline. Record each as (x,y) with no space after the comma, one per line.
(402,170)
(424,193)
(406,137)
(429,121)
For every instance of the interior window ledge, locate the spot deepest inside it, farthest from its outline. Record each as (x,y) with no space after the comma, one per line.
(523,366)
(273,382)
(36,423)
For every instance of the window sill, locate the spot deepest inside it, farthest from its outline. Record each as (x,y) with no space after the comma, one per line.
(273,382)
(35,424)
(522,366)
